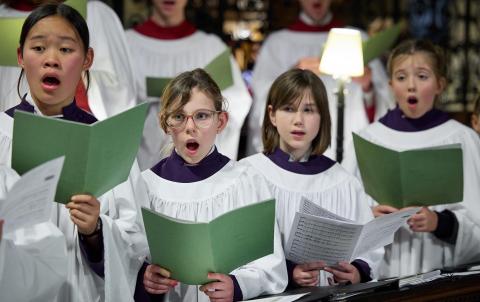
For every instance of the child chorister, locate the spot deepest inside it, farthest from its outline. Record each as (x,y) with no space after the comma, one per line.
(166,45)
(296,131)
(33,259)
(111,88)
(441,235)
(104,238)
(198,183)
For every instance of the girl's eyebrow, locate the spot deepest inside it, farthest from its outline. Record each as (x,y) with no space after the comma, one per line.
(63,38)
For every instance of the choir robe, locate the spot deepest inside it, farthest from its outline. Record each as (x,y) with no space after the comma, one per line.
(202,192)
(124,244)
(418,252)
(281,51)
(112,88)
(323,182)
(167,52)
(32,259)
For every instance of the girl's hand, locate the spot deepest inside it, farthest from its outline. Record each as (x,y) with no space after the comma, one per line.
(156,280)
(309,63)
(84,212)
(383,210)
(424,221)
(220,290)
(306,274)
(343,273)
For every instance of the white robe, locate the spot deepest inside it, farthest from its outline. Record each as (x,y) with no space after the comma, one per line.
(231,187)
(112,88)
(280,52)
(123,237)
(32,259)
(168,58)
(334,190)
(417,252)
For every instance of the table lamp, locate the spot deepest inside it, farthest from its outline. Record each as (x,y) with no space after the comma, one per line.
(342,58)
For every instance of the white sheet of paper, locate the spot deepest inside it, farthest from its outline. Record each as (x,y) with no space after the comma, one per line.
(288,298)
(316,238)
(308,207)
(30,200)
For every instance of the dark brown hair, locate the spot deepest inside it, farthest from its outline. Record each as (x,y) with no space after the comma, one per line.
(289,88)
(178,91)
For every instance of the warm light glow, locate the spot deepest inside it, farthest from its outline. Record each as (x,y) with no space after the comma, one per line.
(342,56)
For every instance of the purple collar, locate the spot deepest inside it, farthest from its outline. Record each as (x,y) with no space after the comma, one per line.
(175,169)
(70,112)
(315,164)
(396,120)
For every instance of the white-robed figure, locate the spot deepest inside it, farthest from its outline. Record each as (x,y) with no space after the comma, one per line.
(300,46)
(104,238)
(442,235)
(197,183)
(296,131)
(32,259)
(111,88)
(166,45)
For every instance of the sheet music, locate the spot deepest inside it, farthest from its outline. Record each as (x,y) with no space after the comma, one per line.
(380,231)
(308,207)
(315,238)
(30,199)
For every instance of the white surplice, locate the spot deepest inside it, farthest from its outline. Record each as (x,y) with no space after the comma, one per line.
(168,58)
(280,52)
(231,187)
(333,189)
(417,252)
(32,259)
(112,88)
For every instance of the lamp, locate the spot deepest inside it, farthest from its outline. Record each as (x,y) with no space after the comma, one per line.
(342,58)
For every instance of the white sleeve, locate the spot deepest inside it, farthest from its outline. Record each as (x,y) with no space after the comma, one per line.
(6,131)
(124,237)
(33,264)
(267,275)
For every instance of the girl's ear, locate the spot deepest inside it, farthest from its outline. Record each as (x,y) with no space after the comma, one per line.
(88,59)
(20,58)
(271,114)
(222,121)
(442,83)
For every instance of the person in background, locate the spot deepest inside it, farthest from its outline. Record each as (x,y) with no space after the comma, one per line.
(475,119)
(300,46)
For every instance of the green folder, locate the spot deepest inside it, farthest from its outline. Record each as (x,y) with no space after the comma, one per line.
(191,250)
(97,157)
(380,42)
(10,29)
(419,177)
(219,69)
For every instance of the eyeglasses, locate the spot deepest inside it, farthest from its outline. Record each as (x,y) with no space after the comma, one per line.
(202,118)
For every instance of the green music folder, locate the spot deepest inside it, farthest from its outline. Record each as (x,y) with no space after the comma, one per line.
(97,157)
(380,42)
(11,27)
(219,69)
(419,177)
(191,250)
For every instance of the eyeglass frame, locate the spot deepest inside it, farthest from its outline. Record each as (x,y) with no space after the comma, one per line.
(187,116)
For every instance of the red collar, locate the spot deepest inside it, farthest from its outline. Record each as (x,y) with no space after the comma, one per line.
(299,25)
(151,29)
(24,6)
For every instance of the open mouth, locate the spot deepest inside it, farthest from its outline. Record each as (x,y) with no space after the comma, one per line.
(51,81)
(412,100)
(192,146)
(298,133)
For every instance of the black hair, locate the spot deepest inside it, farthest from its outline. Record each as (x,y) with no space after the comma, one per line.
(62,10)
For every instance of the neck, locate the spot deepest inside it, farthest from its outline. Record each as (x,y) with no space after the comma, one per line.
(49,110)
(310,21)
(167,21)
(296,155)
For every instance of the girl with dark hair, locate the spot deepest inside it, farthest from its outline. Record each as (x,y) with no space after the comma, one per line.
(296,133)
(103,236)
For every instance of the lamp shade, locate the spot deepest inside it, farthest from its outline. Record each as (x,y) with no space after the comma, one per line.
(342,56)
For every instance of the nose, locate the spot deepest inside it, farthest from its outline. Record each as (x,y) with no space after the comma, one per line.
(411,84)
(190,124)
(51,59)
(298,118)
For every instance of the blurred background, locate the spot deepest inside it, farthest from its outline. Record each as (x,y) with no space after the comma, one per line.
(244,24)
